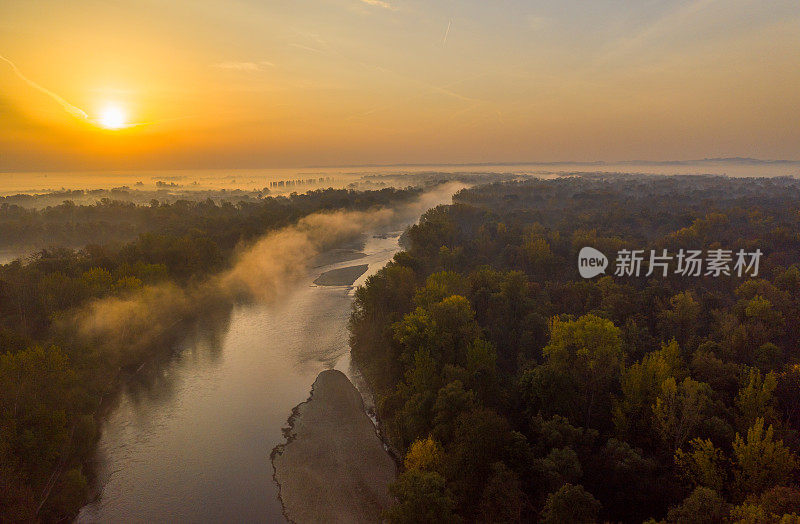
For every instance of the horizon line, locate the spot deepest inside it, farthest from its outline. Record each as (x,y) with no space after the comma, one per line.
(739,160)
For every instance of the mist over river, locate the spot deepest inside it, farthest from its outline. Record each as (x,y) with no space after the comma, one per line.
(245,179)
(192,442)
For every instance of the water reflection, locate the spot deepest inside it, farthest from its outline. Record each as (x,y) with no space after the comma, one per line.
(200,345)
(189,439)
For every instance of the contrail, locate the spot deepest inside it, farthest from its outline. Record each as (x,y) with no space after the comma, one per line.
(69,108)
(447,32)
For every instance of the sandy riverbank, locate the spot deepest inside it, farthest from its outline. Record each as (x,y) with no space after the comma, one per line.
(333,467)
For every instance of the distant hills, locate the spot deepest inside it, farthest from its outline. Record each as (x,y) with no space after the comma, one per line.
(721,160)
(726,160)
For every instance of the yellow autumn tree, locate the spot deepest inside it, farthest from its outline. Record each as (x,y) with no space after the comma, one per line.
(424,455)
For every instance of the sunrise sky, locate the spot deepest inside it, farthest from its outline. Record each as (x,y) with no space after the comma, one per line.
(258,83)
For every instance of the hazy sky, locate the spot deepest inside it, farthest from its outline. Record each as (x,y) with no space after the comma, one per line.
(262,83)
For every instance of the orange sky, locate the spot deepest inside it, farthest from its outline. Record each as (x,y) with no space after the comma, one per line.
(258,83)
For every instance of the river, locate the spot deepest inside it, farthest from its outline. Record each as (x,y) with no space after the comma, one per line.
(191,442)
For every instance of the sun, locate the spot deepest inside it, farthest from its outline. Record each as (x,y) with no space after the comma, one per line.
(112,116)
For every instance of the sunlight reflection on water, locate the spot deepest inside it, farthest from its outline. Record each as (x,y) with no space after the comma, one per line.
(194,444)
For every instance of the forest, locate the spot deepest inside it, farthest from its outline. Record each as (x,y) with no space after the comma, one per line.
(54,381)
(76,217)
(117,217)
(513,390)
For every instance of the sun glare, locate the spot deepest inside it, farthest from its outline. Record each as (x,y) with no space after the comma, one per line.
(112,117)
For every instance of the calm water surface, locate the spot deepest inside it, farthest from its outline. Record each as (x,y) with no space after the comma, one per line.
(192,444)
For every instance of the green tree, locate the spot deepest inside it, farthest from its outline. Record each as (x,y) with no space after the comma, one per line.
(641,386)
(68,497)
(768,356)
(680,319)
(702,506)
(537,250)
(760,461)
(97,281)
(779,504)
(39,395)
(723,377)
(570,504)
(560,466)
(612,470)
(481,438)
(502,500)
(58,291)
(417,395)
(451,401)
(446,329)
(421,497)
(127,285)
(439,286)
(482,369)
(756,400)
(680,409)
(384,298)
(703,465)
(587,352)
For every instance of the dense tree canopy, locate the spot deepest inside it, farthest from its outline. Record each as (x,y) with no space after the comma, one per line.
(226,219)
(525,392)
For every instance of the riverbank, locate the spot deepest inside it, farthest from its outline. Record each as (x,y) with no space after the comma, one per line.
(333,467)
(275,352)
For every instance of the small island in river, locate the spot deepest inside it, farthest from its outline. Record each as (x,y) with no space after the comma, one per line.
(333,467)
(344,276)
(336,255)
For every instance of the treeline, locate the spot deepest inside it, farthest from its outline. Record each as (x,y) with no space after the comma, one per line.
(52,381)
(516,391)
(119,220)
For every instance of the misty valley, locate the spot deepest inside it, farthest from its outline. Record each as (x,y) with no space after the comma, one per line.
(400,261)
(430,353)
(94,334)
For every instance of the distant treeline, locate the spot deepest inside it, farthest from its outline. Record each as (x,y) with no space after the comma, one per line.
(517,391)
(299,182)
(117,220)
(52,381)
(138,195)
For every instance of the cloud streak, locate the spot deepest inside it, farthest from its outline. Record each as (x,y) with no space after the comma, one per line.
(69,108)
(380,3)
(306,48)
(245,66)
(667,26)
